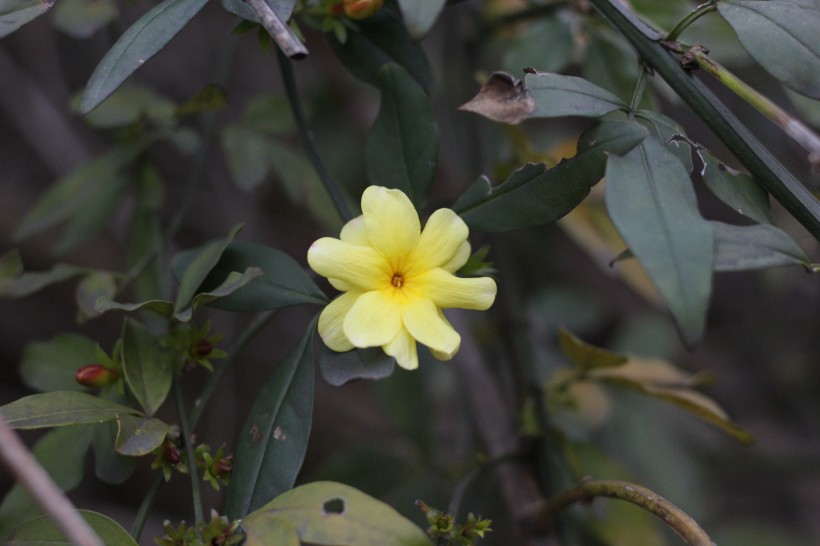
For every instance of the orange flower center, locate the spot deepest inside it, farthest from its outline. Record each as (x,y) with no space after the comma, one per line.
(397,280)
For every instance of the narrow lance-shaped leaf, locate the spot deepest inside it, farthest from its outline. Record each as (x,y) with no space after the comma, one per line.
(234,281)
(402,150)
(141,41)
(533,195)
(651,201)
(61,408)
(16,13)
(273,440)
(147,366)
(43,530)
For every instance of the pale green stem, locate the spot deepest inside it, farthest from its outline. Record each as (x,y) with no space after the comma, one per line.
(145,507)
(185,428)
(801,133)
(690,18)
(639,89)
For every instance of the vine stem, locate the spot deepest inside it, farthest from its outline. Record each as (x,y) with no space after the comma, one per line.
(331,186)
(185,428)
(31,475)
(690,18)
(686,527)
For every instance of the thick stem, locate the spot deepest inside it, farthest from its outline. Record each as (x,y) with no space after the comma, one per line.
(279,31)
(185,428)
(677,519)
(757,159)
(690,18)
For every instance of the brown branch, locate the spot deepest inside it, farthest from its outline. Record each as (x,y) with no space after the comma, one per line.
(48,495)
(279,31)
(677,519)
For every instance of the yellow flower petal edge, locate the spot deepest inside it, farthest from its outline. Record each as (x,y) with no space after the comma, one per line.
(396,278)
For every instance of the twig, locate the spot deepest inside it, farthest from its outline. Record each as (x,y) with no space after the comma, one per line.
(48,495)
(677,519)
(185,428)
(690,18)
(279,31)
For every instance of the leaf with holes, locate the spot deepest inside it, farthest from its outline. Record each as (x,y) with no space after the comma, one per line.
(330,513)
(273,440)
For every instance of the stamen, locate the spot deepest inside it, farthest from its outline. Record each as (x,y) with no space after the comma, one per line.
(397,280)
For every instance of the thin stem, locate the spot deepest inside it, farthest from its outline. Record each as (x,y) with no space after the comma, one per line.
(677,519)
(639,89)
(690,18)
(189,450)
(48,494)
(801,133)
(145,507)
(331,186)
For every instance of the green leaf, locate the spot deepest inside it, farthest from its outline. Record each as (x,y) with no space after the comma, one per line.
(234,281)
(273,440)
(94,214)
(330,513)
(147,366)
(402,150)
(69,196)
(163,308)
(51,365)
(533,195)
(61,452)
(340,368)
(546,45)
(419,15)
(198,269)
(130,104)
(24,284)
(587,356)
(16,13)
(141,41)
(61,408)
(736,189)
(82,18)
(651,201)
(666,129)
(611,64)
(740,248)
(109,466)
(42,530)
(138,436)
(95,285)
(383,39)
(283,282)
(782,36)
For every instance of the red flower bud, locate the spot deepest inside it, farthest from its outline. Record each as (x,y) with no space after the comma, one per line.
(95,375)
(361,9)
(172,454)
(203,348)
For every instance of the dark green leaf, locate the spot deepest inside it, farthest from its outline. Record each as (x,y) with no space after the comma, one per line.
(325,512)
(51,365)
(545,45)
(163,308)
(42,530)
(739,248)
(138,436)
(533,195)
(651,201)
(419,15)
(24,284)
(95,285)
(382,40)
(61,452)
(587,356)
(82,18)
(666,129)
(402,150)
(147,366)
(61,408)
(109,466)
(283,282)
(233,282)
(611,64)
(16,13)
(736,189)
(130,104)
(273,440)
(782,36)
(340,368)
(141,41)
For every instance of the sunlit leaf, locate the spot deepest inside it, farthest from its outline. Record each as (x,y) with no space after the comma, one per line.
(419,15)
(740,248)
(738,190)
(273,440)
(43,530)
(147,366)
(51,365)
(340,368)
(137,436)
(61,408)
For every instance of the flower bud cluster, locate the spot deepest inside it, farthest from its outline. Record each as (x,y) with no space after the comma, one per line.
(443,526)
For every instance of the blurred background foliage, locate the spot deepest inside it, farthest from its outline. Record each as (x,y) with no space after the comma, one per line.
(413,436)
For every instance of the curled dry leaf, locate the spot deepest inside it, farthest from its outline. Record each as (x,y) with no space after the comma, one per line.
(502,98)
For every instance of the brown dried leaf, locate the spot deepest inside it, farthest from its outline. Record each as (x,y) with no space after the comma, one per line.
(502,98)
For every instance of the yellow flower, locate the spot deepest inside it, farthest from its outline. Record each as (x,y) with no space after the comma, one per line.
(396,279)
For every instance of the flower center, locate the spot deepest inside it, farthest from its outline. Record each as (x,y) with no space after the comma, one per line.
(397,280)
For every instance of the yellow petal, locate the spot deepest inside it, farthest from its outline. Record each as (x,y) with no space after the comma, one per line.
(331,321)
(359,266)
(354,233)
(340,285)
(403,349)
(459,258)
(422,319)
(373,321)
(438,354)
(391,222)
(440,241)
(446,290)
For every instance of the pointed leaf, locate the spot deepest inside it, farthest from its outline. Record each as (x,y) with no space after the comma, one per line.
(666,129)
(147,366)
(61,408)
(137,436)
(234,281)
(329,513)
(533,195)
(109,466)
(51,365)
(283,282)
(16,13)
(738,190)
(42,530)
(28,283)
(402,150)
(163,308)
(651,201)
(419,15)
(739,248)
(273,440)
(587,356)
(141,41)
(782,36)
(340,368)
